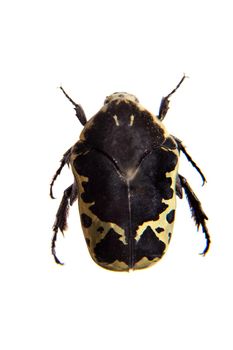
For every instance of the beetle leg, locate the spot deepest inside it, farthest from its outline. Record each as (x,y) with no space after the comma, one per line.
(80,114)
(69,197)
(182,149)
(164,105)
(197,212)
(65,160)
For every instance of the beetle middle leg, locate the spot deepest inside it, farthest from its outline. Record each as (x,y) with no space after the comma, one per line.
(183,150)
(198,213)
(65,160)
(164,105)
(69,197)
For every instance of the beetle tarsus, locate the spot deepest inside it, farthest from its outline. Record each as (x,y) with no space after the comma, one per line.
(183,149)
(65,160)
(207,237)
(164,105)
(53,246)
(198,213)
(80,114)
(69,197)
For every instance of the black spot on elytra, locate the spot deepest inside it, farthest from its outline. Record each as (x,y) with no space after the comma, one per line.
(110,249)
(159,229)
(100,229)
(169,237)
(149,246)
(86,220)
(170,216)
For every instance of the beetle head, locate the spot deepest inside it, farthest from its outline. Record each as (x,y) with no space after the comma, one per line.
(121,96)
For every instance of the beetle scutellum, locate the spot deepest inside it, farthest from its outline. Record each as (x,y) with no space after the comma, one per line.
(126,179)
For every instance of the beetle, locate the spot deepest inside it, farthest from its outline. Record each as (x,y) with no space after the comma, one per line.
(126,179)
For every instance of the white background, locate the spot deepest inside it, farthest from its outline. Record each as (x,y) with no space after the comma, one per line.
(94,48)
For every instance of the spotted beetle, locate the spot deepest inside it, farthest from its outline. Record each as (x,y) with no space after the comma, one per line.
(126,179)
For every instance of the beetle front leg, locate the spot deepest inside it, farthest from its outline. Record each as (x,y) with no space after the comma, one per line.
(80,114)
(69,197)
(198,213)
(164,105)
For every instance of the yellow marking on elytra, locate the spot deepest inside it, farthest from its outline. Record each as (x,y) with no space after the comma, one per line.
(144,262)
(131,120)
(115,266)
(116,120)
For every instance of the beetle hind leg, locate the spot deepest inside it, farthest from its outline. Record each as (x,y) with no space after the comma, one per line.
(69,197)
(198,213)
